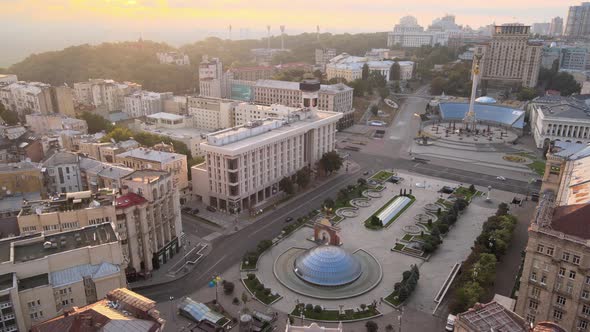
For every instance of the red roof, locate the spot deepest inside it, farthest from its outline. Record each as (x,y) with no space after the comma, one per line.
(572,220)
(129,199)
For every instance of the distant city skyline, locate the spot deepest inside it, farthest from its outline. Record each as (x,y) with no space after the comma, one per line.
(30,26)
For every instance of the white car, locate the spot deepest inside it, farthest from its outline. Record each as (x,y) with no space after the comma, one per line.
(450,323)
(501,178)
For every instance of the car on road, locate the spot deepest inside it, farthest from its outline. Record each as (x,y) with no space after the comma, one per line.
(366,173)
(447,190)
(501,178)
(450,323)
(394,179)
(211,209)
(288,219)
(420,185)
(195,211)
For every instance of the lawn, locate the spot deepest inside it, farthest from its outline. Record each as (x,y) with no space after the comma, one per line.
(538,166)
(391,299)
(398,246)
(381,176)
(250,266)
(465,192)
(407,237)
(334,315)
(259,291)
(376,227)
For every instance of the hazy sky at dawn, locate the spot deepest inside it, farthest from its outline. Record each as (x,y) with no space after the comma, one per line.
(37,25)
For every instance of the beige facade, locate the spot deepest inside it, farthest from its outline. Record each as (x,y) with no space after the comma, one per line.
(148,220)
(66,212)
(145,159)
(246,112)
(509,57)
(244,164)
(211,113)
(43,275)
(45,123)
(555,281)
(106,95)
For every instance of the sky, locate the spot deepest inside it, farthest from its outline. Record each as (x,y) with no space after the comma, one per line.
(28,26)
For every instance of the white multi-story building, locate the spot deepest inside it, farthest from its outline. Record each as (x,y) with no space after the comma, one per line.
(104,94)
(555,118)
(34,97)
(243,165)
(409,34)
(62,173)
(211,78)
(144,103)
(245,113)
(148,220)
(173,58)
(350,67)
(211,113)
(323,56)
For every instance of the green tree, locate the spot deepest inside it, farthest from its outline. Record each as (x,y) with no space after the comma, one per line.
(374,110)
(118,134)
(437,85)
(96,123)
(394,72)
(9,116)
(371,326)
(365,72)
(286,185)
(383,92)
(484,270)
(526,94)
(303,177)
(329,203)
(565,83)
(330,162)
(466,296)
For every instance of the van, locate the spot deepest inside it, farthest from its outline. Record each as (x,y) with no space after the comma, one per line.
(450,323)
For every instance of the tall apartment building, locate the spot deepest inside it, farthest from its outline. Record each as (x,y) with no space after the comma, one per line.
(104,94)
(65,212)
(556,26)
(148,220)
(173,58)
(43,276)
(541,28)
(62,172)
(142,103)
(555,280)
(244,164)
(332,98)
(211,78)
(509,58)
(35,97)
(211,113)
(578,21)
(146,159)
(46,123)
(323,56)
(122,311)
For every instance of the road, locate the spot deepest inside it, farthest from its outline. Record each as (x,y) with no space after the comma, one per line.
(228,250)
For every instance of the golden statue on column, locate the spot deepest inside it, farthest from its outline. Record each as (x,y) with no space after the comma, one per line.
(469,120)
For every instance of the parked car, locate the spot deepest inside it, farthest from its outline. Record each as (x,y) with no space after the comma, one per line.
(195,211)
(211,209)
(447,190)
(450,323)
(366,173)
(395,179)
(288,219)
(501,178)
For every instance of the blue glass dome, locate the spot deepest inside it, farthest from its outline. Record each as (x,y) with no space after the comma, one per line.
(327,266)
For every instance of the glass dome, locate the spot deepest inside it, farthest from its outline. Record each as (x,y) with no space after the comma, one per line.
(327,266)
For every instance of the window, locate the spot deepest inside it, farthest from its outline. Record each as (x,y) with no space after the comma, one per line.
(557,314)
(536,291)
(561,272)
(582,325)
(565,256)
(530,318)
(560,300)
(585,294)
(576,260)
(534,276)
(533,304)
(543,279)
(540,248)
(550,251)
(572,274)
(586,309)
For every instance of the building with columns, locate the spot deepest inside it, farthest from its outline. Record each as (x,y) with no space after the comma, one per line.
(555,118)
(148,220)
(244,164)
(555,279)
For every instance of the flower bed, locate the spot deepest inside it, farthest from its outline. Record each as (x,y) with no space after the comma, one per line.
(313,312)
(257,289)
(381,176)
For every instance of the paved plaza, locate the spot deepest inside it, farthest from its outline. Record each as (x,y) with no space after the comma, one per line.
(455,248)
